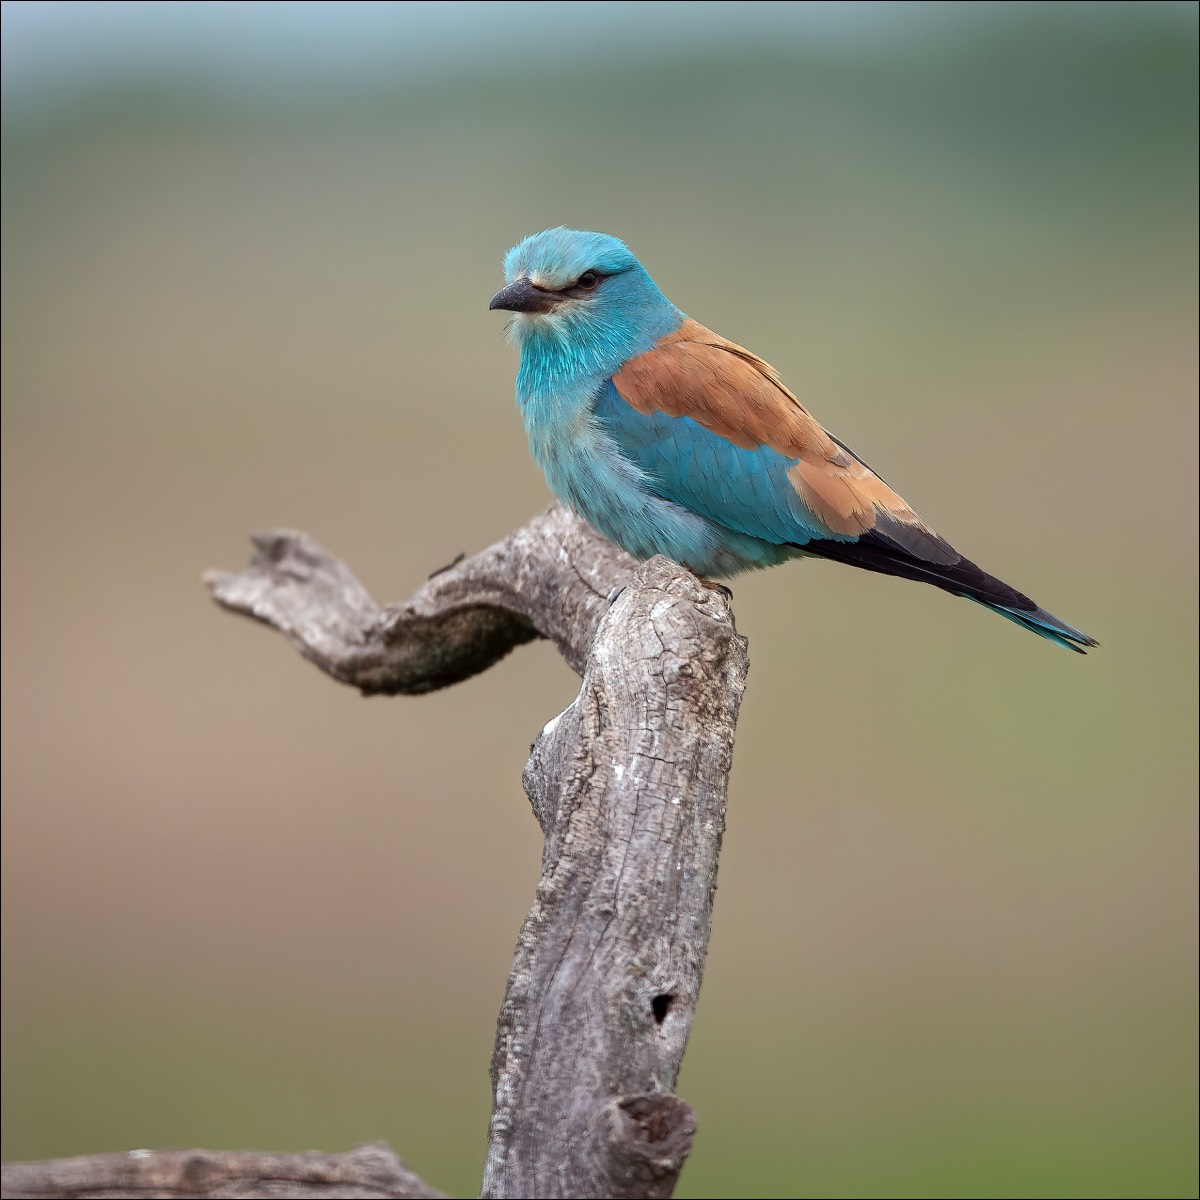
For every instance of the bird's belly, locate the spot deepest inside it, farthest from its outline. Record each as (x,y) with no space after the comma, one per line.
(588,472)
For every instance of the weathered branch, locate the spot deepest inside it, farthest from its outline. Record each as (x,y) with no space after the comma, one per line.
(550,578)
(629,786)
(370,1171)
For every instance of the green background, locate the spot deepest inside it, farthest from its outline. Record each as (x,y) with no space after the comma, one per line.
(954,949)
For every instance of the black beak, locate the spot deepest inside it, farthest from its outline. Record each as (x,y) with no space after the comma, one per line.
(522,296)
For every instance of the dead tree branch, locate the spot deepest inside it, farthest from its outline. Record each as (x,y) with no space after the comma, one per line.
(629,787)
(369,1172)
(551,578)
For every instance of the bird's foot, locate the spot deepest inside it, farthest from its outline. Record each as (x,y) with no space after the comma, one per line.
(711,584)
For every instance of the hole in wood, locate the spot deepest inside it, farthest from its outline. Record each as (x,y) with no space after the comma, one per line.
(661,1005)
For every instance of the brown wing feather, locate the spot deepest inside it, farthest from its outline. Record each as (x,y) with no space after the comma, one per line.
(695,373)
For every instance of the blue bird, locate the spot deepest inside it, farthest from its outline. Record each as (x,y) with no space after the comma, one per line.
(669,439)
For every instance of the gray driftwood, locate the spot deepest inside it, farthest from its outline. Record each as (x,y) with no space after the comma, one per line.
(629,787)
(370,1171)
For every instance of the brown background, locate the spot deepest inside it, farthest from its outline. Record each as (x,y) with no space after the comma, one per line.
(954,947)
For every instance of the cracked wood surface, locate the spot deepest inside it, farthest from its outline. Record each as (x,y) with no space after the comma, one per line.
(629,786)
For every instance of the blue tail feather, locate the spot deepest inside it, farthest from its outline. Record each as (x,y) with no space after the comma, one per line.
(1044,624)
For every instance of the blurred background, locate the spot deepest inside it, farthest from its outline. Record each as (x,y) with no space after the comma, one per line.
(248,250)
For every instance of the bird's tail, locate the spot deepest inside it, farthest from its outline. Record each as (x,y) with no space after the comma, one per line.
(1045,625)
(874,551)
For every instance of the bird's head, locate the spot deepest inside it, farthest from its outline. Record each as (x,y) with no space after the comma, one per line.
(584,294)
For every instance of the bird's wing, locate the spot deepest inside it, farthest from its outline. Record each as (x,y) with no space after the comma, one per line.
(715,429)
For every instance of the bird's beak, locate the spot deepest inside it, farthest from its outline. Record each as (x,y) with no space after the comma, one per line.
(523,297)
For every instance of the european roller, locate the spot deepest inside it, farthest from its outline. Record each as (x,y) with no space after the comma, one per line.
(669,439)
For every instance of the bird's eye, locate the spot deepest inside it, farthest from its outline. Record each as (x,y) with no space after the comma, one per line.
(587,281)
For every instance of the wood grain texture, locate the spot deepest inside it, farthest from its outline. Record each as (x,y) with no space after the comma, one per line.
(551,578)
(629,785)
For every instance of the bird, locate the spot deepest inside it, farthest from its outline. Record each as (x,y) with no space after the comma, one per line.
(670,439)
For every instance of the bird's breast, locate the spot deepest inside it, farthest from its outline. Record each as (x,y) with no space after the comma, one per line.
(587,469)
(577,457)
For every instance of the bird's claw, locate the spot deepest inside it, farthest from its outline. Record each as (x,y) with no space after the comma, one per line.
(713,586)
(453,563)
(710,584)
